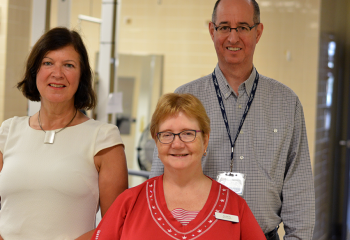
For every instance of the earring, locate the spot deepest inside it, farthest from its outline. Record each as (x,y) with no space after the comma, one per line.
(205,152)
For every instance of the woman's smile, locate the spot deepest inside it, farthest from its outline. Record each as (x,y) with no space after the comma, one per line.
(179,154)
(59,75)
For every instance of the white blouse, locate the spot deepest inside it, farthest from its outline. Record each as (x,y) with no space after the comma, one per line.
(50,191)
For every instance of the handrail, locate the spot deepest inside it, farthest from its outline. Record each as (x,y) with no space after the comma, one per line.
(139,173)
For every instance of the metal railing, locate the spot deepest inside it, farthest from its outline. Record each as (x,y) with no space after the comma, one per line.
(139,173)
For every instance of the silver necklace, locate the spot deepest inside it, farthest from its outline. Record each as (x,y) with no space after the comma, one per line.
(50,134)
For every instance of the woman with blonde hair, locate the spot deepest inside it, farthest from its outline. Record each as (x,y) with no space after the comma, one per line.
(182,203)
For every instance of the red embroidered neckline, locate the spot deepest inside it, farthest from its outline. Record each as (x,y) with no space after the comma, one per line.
(161,220)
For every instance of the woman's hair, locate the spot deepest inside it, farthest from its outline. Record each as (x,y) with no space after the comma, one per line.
(55,39)
(172,104)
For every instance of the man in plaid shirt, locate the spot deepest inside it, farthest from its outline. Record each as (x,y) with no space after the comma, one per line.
(271,147)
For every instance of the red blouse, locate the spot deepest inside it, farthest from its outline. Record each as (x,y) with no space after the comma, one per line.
(141,213)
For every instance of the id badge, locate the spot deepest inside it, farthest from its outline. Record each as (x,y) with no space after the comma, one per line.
(232,180)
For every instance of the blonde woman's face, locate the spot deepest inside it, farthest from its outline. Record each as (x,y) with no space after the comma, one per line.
(179,155)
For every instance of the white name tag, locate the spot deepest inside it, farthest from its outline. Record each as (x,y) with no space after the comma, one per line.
(226,217)
(233,180)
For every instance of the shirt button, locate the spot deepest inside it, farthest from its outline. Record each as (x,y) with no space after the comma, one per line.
(275,130)
(241,157)
(240,106)
(227,94)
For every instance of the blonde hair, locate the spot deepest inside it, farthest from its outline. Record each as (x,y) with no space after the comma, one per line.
(172,104)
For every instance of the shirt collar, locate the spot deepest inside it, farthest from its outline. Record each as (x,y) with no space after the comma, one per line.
(226,89)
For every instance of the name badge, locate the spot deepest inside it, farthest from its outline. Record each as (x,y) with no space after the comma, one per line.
(227,217)
(232,180)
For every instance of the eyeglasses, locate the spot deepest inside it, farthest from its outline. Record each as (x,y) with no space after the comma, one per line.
(241,30)
(185,136)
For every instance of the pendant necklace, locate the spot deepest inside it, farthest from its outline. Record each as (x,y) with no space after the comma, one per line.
(50,134)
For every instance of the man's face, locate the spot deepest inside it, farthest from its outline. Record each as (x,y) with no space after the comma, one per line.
(235,48)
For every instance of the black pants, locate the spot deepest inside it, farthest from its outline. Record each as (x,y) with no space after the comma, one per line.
(273,235)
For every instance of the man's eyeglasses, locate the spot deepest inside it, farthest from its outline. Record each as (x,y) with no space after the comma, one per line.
(185,136)
(225,29)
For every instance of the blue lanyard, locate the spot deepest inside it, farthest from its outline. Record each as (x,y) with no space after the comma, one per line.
(224,116)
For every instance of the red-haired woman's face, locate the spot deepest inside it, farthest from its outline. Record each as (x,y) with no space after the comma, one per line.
(179,155)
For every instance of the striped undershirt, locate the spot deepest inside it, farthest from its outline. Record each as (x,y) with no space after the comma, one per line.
(184,216)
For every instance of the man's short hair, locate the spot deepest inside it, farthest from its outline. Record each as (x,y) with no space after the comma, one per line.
(256,17)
